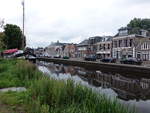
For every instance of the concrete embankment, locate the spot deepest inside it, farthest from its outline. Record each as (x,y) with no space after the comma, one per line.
(104,67)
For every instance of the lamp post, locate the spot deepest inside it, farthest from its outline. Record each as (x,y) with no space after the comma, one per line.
(2,23)
(23,21)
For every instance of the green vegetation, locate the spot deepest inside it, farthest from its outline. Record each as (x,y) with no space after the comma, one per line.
(13,36)
(140,23)
(47,95)
(15,73)
(12,102)
(65,97)
(137,24)
(2,45)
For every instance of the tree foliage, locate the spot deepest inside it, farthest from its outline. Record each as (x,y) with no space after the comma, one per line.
(13,36)
(138,23)
(2,45)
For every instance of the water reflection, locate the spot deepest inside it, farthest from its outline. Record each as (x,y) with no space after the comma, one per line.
(131,90)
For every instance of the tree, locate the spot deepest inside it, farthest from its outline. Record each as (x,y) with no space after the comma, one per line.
(13,36)
(145,23)
(2,45)
(138,23)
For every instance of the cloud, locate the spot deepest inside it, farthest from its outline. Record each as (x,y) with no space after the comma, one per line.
(71,20)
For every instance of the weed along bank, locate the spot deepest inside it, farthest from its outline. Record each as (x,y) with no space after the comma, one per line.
(45,94)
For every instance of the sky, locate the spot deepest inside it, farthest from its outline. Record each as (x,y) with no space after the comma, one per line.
(71,21)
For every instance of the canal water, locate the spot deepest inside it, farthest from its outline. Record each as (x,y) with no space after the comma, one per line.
(130,90)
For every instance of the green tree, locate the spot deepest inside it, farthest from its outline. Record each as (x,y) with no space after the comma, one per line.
(13,36)
(145,23)
(135,23)
(2,36)
(138,23)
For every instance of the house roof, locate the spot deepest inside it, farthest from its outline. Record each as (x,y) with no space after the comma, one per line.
(84,42)
(129,36)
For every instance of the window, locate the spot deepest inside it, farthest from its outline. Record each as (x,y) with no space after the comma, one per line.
(146,46)
(129,56)
(115,44)
(100,47)
(123,32)
(104,46)
(126,42)
(131,42)
(120,43)
(108,46)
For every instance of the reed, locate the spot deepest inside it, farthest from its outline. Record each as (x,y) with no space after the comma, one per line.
(48,95)
(58,96)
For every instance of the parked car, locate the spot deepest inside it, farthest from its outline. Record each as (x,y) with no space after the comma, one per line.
(57,56)
(133,61)
(65,57)
(108,60)
(90,58)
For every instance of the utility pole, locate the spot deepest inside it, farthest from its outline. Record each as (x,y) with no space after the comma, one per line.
(1,23)
(23,21)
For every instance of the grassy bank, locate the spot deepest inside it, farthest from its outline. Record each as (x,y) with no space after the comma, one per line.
(47,95)
(15,73)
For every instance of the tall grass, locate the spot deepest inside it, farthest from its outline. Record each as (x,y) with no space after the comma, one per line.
(55,96)
(15,73)
(47,95)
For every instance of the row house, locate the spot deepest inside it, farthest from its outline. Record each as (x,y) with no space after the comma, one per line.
(38,52)
(88,47)
(55,49)
(126,45)
(83,49)
(104,48)
(61,49)
(123,45)
(70,50)
(92,44)
(144,49)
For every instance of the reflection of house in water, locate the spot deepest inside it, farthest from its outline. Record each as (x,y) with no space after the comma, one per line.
(126,88)
(70,69)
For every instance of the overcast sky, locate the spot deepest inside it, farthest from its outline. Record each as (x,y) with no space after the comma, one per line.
(71,20)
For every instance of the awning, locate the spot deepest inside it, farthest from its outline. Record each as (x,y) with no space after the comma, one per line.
(10,51)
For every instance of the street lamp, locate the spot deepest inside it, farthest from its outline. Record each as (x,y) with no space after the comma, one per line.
(23,37)
(1,23)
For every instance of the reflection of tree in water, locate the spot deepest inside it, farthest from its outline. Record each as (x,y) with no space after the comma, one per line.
(126,88)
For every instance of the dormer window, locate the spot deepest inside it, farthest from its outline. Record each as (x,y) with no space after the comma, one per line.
(123,31)
(143,33)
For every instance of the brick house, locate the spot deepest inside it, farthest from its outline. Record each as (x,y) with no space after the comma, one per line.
(104,48)
(144,49)
(55,49)
(125,45)
(83,49)
(70,50)
(88,47)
